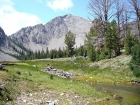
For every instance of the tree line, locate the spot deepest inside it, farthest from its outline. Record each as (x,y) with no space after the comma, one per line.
(112,22)
(111,25)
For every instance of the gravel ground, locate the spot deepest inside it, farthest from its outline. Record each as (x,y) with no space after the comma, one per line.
(47,97)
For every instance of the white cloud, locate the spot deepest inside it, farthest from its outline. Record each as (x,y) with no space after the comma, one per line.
(5,3)
(60,4)
(12,21)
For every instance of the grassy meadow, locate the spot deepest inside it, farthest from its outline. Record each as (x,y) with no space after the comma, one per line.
(23,77)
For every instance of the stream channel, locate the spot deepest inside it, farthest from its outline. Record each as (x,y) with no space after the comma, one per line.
(125,94)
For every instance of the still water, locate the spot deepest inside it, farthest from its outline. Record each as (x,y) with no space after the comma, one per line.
(126,94)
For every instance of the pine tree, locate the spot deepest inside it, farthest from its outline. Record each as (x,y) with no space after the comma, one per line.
(42,54)
(129,42)
(112,41)
(81,52)
(38,54)
(89,44)
(135,61)
(92,53)
(51,54)
(60,53)
(116,41)
(47,53)
(64,52)
(70,42)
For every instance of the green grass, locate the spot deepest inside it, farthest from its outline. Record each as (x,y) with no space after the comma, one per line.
(43,79)
(120,73)
(24,77)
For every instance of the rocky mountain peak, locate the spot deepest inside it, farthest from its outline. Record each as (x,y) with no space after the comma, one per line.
(2,37)
(2,33)
(52,34)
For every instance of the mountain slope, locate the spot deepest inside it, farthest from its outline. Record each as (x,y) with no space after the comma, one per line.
(6,47)
(52,34)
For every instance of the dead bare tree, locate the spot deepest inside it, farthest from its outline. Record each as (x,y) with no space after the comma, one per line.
(124,17)
(102,10)
(119,6)
(136,11)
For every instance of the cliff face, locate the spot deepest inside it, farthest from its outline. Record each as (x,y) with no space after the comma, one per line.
(6,47)
(3,37)
(52,34)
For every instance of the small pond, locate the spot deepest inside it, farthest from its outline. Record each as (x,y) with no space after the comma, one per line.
(125,94)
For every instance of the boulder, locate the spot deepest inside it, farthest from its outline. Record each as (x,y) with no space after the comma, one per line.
(1,87)
(1,66)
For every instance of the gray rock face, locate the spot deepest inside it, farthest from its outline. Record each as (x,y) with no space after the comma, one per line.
(2,37)
(52,34)
(6,46)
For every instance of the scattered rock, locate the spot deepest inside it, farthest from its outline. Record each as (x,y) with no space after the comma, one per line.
(76,96)
(117,97)
(1,87)
(135,83)
(51,97)
(31,95)
(59,73)
(24,101)
(50,103)
(61,94)
(1,66)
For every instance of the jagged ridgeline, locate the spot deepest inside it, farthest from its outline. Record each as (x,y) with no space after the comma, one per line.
(52,34)
(43,41)
(40,39)
(11,50)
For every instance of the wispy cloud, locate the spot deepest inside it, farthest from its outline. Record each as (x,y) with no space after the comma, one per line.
(11,20)
(5,3)
(59,4)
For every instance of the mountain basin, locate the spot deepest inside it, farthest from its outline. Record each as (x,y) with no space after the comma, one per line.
(125,94)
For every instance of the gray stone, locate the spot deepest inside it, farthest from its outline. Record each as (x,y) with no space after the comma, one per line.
(1,87)
(1,66)
(50,103)
(59,73)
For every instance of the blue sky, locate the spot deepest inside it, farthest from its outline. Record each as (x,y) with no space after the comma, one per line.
(15,14)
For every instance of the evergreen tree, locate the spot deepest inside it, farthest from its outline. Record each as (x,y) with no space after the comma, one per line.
(76,51)
(109,40)
(129,42)
(64,52)
(38,54)
(90,47)
(51,54)
(70,42)
(60,53)
(116,41)
(92,53)
(112,41)
(47,53)
(81,50)
(42,54)
(135,61)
